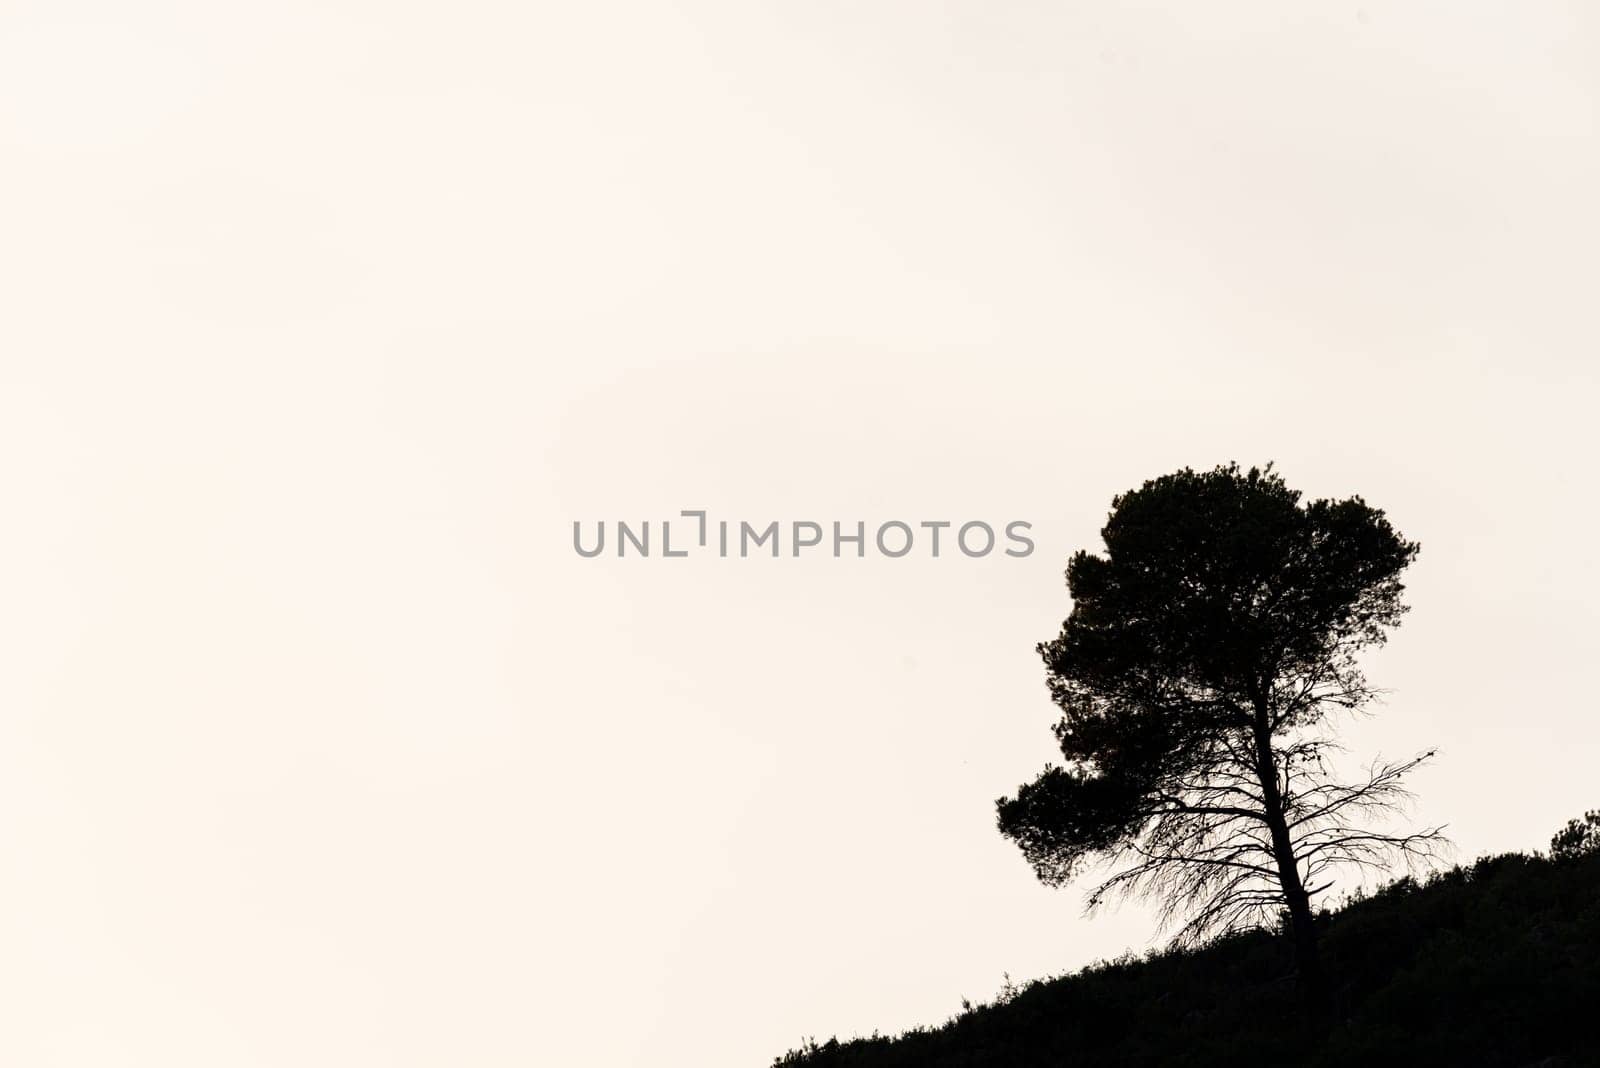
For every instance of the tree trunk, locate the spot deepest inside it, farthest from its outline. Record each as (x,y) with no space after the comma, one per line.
(1302,924)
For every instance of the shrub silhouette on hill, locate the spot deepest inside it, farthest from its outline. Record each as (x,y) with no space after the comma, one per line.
(1493,963)
(1577,837)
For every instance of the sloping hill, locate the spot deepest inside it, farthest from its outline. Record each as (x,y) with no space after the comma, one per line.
(1496,963)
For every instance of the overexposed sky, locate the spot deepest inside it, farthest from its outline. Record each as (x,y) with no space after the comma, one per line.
(320,323)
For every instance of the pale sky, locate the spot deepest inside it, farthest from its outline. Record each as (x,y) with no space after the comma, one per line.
(322,322)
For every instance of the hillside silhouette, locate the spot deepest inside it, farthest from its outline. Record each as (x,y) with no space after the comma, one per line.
(1492,963)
